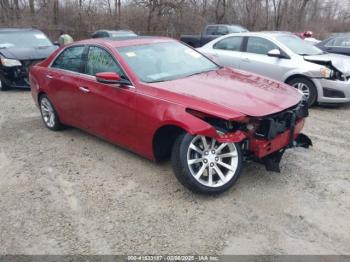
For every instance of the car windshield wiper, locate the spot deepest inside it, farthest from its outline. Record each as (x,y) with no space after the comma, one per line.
(201,72)
(164,79)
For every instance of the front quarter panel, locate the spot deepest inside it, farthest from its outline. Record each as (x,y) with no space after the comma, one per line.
(154,113)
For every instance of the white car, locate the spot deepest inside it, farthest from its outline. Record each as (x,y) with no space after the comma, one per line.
(322,77)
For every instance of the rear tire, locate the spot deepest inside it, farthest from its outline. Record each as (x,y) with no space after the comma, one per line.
(49,114)
(3,87)
(307,87)
(204,165)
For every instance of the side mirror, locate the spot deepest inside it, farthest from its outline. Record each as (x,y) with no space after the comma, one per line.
(56,43)
(275,53)
(111,78)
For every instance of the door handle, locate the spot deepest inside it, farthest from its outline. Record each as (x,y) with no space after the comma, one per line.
(49,76)
(84,89)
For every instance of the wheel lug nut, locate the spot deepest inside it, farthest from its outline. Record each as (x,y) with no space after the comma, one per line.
(206,153)
(216,159)
(205,161)
(211,164)
(213,151)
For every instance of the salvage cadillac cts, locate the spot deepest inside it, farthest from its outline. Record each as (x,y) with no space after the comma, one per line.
(160,98)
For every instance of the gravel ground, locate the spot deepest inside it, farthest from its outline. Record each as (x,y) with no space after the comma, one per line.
(71,193)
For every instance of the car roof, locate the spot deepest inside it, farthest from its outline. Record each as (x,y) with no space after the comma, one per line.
(16,29)
(127,41)
(115,31)
(339,35)
(224,25)
(262,33)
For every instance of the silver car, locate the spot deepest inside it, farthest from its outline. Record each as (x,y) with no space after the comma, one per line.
(322,77)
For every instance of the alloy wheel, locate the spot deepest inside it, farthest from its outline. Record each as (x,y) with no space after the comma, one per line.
(47,112)
(210,162)
(303,88)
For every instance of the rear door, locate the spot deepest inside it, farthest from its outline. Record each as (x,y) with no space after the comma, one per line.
(256,60)
(109,109)
(63,78)
(227,52)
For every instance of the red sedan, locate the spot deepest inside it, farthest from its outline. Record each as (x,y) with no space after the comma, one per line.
(161,98)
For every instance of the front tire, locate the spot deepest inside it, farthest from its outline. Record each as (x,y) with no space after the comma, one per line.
(49,114)
(205,165)
(307,87)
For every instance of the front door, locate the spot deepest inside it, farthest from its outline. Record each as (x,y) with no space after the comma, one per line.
(107,108)
(256,60)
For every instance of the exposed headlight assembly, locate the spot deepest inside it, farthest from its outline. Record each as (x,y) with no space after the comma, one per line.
(10,62)
(326,72)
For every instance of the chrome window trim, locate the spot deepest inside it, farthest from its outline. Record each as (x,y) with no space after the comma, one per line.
(86,75)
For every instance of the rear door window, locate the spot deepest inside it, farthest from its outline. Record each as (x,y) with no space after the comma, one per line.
(230,43)
(70,59)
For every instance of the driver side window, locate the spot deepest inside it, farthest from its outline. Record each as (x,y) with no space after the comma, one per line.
(99,60)
(261,46)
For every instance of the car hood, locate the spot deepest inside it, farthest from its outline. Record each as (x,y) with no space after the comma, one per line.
(340,62)
(238,91)
(28,53)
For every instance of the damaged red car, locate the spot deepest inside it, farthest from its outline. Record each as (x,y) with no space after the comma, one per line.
(160,98)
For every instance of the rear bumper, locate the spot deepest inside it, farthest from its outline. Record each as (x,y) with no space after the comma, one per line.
(333,91)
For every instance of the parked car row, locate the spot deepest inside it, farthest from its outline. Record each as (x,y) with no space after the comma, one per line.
(241,97)
(160,98)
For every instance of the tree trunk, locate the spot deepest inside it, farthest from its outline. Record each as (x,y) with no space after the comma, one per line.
(55,12)
(31,7)
(16,9)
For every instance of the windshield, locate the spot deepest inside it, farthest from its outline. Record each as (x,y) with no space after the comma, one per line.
(23,39)
(165,61)
(299,46)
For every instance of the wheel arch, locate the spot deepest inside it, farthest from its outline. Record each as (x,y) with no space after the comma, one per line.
(164,139)
(40,94)
(289,78)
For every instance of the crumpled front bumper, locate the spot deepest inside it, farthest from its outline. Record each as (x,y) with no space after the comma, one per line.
(270,149)
(17,76)
(332,91)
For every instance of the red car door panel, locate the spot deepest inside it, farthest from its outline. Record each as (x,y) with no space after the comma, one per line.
(65,95)
(108,110)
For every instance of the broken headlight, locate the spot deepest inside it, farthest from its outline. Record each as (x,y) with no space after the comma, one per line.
(222,126)
(10,62)
(326,72)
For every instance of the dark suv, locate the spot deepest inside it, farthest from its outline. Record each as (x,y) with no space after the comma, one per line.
(20,48)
